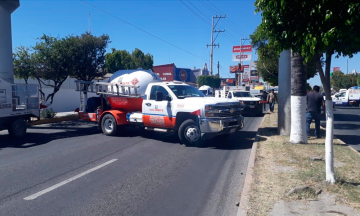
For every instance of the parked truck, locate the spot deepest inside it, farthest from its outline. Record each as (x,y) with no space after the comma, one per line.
(18,103)
(250,104)
(206,90)
(350,97)
(139,98)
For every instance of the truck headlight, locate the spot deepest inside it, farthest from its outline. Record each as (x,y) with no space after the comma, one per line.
(208,107)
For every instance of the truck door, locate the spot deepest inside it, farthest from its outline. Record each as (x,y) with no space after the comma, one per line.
(340,99)
(158,113)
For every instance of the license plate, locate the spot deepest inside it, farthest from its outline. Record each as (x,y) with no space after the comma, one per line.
(233,130)
(252,106)
(338,103)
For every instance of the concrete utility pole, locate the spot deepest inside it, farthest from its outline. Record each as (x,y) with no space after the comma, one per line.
(218,67)
(284,95)
(213,40)
(6,57)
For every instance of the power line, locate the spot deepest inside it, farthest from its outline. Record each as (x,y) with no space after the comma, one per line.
(213,11)
(203,18)
(229,20)
(142,30)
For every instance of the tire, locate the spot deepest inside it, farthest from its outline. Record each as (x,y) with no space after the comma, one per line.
(108,125)
(17,128)
(189,133)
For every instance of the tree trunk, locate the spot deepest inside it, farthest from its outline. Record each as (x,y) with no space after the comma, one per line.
(284,95)
(298,100)
(329,149)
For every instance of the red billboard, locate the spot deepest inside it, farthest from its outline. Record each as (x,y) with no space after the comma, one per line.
(244,48)
(336,68)
(165,72)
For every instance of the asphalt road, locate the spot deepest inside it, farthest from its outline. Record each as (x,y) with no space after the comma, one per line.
(71,169)
(347,125)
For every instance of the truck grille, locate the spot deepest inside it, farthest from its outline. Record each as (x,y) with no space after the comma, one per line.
(227,110)
(250,102)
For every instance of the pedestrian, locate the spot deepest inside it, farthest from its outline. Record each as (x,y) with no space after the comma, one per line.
(264,96)
(313,111)
(271,99)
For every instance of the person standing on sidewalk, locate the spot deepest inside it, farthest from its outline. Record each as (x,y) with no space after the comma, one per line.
(271,99)
(313,111)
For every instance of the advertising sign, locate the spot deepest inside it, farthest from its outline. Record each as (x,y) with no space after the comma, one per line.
(254,73)
(246,69)
(235,68)
(166,76)
(336,69)
(253,66)
(244,48)
(245,77)
(183,75)
(244,57)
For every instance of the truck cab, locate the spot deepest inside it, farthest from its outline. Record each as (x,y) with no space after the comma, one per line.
(350,97)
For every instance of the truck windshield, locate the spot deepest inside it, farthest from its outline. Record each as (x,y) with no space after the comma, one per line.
(204,92)
(184,91)
(242,94)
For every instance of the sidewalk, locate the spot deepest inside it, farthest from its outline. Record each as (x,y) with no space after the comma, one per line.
(289,179)
(59,117)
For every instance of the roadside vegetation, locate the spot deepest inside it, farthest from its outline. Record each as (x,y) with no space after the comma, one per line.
(281,167)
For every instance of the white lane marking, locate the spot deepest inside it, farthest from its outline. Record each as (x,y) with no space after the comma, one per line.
(36,195)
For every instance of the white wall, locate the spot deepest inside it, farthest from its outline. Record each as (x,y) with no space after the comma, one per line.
(66,99)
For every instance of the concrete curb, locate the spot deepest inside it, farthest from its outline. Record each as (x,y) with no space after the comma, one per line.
(244,200)
(54,120)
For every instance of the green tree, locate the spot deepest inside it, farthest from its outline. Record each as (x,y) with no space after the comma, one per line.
(52,64)
(24,65)
(336,80)
(123,60)
(212,81)
(268,57)
(314,28)
(358,80)
(140,60)
(118,60)
(308,87)
(204,80)
(87,54)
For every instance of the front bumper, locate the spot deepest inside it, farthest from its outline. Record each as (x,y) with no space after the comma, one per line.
(208,125)
(252,109)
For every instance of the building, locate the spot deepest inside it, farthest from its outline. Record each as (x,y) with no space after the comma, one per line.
(170,72)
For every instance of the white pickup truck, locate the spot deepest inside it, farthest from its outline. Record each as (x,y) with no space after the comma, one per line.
(350,97)
(251,105)
(161,106)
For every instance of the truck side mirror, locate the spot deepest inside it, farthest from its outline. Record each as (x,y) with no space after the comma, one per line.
(159,96)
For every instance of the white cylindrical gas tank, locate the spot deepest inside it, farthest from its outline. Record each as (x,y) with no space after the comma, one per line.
(140,78)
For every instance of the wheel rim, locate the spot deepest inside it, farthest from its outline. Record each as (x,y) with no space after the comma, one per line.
(192,133)
(109,125)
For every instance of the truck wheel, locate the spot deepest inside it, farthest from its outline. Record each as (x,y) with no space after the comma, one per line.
(189,132)
(108,125)
(17,128)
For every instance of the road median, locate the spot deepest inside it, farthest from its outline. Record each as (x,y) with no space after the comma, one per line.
(289,179)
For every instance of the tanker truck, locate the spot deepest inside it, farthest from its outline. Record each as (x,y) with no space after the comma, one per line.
(139,98)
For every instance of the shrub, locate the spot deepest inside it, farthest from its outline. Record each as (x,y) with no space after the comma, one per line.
(47,113)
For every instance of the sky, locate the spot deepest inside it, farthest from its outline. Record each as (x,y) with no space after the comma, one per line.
(173,31)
